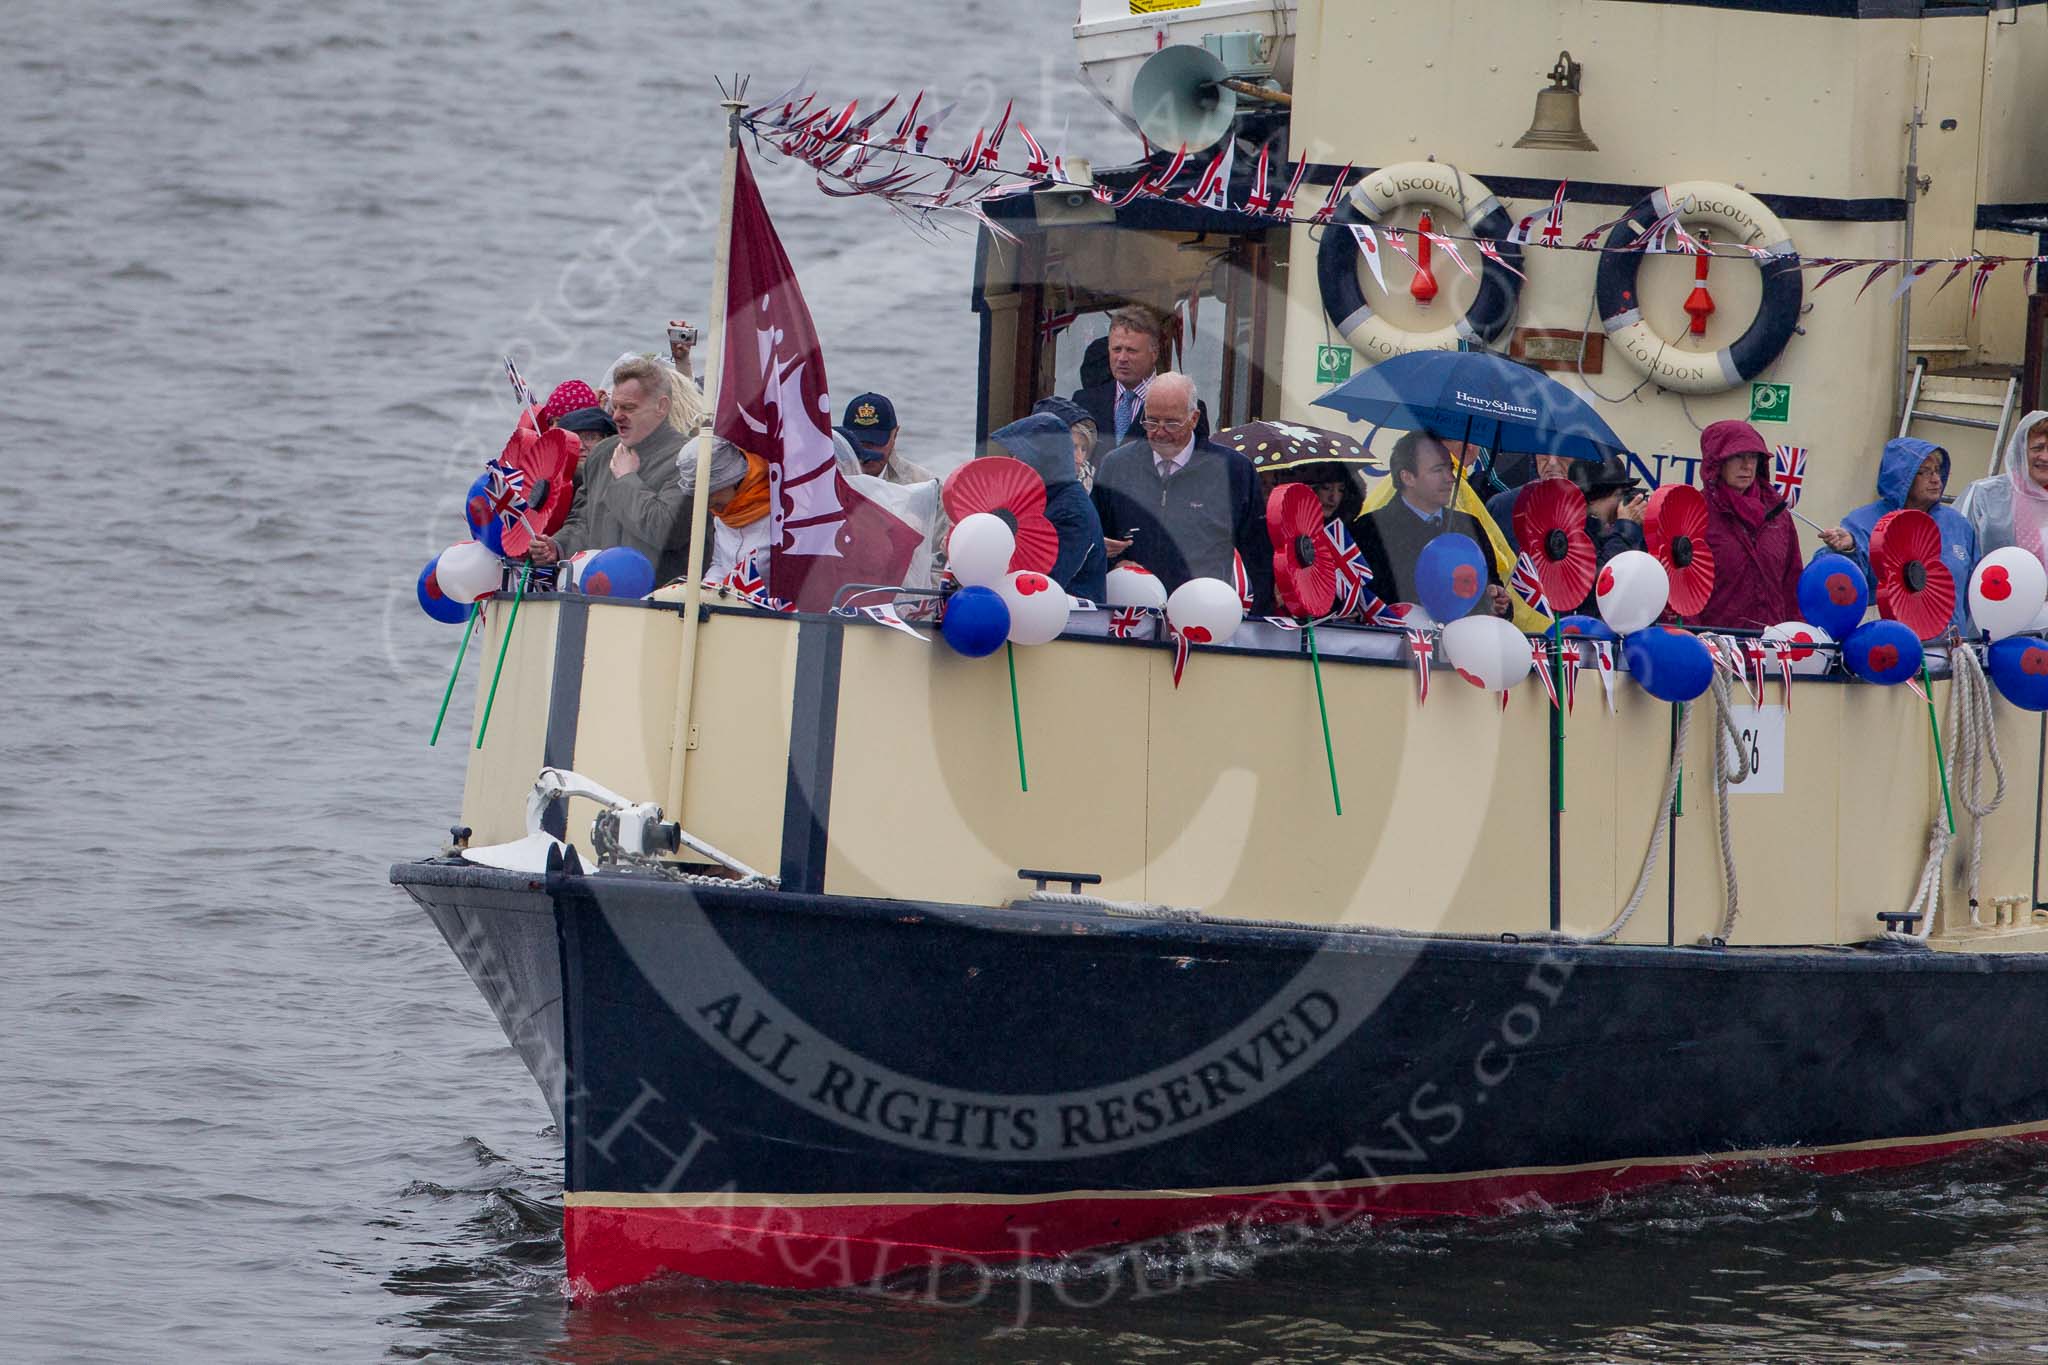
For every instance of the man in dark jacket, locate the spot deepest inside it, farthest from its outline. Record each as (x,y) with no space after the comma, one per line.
(1392,538)
(1179,506)
(1117,403)
(1044,442)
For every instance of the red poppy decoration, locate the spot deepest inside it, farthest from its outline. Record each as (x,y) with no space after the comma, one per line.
(1011,490)
(1550,526)
(1914,587)
(1304,559)
(1675,528)
(549,462)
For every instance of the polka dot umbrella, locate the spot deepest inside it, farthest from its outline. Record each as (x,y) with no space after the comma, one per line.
(1914,587)
(1274,446)
(1675,528)
(1011,490)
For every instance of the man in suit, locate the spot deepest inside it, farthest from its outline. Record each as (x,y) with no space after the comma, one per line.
(1392,538)
(1178,505)
(1118,403)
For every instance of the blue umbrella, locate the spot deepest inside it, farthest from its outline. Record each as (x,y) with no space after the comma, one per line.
(1468,395)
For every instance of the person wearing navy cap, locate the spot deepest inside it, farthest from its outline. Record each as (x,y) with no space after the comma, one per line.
(870,428)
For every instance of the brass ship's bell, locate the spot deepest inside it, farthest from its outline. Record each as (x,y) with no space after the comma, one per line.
(1556,124)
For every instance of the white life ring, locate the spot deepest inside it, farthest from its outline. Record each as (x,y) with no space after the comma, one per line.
(1744,221)
(1440,187)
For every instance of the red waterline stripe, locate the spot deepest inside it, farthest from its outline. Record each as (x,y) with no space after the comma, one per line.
(854,1244)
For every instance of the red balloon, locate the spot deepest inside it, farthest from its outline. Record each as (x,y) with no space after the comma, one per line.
(1012,490)
(1304,560)
(1675,527)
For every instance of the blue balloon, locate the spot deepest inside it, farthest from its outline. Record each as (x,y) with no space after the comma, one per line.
(976,622)
(1833,594)
(1668,663)
(1883,652)
(1450,577)
(436,603)
(1589,627)
(617,572)
(2019,670)
(484,527)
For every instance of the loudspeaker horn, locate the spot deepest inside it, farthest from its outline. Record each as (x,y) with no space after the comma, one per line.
(1177,97)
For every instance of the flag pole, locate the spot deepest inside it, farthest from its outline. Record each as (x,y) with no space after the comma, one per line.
(475,610)
(1322,707)
(700,503)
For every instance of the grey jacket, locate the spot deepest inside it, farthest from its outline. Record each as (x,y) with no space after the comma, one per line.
(647,510)
(1987,503)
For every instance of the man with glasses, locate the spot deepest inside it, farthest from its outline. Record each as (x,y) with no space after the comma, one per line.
(1180,506)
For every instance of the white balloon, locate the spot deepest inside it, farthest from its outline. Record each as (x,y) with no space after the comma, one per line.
(1132,586)
(1038,607)
(2019,589)
(1207,611)
(1796,634)
(468,571)
(1633,589)
(979,549)
(573,567)
(1488,652)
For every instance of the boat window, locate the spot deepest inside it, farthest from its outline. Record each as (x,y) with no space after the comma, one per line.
(1204,358)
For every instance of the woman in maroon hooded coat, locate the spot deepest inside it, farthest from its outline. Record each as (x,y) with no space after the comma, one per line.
(1754,540)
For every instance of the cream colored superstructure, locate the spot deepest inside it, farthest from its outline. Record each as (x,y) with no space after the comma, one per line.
(1775,104)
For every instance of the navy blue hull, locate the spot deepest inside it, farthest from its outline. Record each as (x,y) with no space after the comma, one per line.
(746,1050)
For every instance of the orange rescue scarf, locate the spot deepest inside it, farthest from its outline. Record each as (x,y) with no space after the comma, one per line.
(750,500)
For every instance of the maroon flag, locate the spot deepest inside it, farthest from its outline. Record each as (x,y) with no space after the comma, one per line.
(772,401)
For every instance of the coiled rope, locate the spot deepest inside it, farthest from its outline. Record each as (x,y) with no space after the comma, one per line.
(1973,742)
(1725,737)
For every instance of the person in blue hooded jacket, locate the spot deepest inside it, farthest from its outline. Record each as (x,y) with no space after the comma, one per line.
(1914,474)
(1045,443)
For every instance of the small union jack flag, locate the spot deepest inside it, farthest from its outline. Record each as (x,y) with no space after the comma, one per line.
(1329,208)
(1528,586)
(1539,657)
(1422,646)
(1753,652)
(505,494)
(1259,199)
(1125,622)
(1039,163)
(1353,573)
(1788,472)
(1568,655)
(519,389)
(1240,580)
(1284,205)
(1977,292)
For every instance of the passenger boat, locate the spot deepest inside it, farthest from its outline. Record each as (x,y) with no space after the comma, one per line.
(851,1002)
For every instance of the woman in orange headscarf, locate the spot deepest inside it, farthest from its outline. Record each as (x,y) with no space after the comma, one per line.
(738,502)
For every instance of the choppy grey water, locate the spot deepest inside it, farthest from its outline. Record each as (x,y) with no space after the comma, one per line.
(258,263)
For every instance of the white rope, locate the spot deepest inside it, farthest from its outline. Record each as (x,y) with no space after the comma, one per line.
(1658,827)
(1973,740)
(1726,736)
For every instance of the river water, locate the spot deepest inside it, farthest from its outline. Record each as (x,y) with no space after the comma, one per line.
(259,263)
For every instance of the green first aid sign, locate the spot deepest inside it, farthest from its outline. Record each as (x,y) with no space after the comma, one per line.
(1333,364)
(1770,402)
